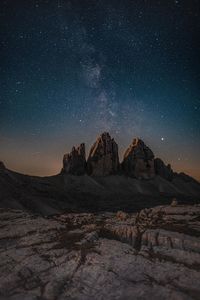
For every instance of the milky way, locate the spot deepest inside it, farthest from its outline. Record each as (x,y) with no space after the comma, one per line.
(72,69)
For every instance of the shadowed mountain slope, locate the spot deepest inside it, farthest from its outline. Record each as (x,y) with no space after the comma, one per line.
(49,195)
(99,183)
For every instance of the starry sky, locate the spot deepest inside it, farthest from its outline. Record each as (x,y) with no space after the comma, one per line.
(73,69)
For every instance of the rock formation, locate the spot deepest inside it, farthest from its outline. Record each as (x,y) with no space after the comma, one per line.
(74,162)
(185,177)
(152,254)
(162,170)
(103,157)
(138,161)
(2,166)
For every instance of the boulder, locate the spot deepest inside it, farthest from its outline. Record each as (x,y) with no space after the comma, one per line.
(74,162)
(174,202)
(121,215)
(138,161)
(103,158)
(162,170)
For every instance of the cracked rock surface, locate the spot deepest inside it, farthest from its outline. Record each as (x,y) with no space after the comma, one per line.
(154,254)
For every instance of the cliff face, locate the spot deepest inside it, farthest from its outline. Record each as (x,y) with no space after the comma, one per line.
(74,162)
(2,166)
(103,158)
(138,161)
(162,170)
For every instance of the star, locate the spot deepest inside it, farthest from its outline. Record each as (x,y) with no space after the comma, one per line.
(78,70)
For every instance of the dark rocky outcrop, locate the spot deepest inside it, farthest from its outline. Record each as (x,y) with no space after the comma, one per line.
(103,160)
(2,166)
(138,161)
(184,177)
(162,170)
(103,157)
(74,162)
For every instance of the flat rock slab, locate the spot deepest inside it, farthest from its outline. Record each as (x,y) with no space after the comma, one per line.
(154,254)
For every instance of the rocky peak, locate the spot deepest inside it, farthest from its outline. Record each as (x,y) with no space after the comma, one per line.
(163,170)
(138,149)
(184,177)
(103,157)
(2,166)
(138,160)
(74,162)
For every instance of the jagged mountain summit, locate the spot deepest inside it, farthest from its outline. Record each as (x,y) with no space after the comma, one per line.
(75,162)
(2,166)
(103,157)
(100,182)
(163,170)
(138,162)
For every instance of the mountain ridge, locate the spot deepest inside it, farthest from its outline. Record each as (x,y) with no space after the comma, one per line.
(100,183)
(138,160)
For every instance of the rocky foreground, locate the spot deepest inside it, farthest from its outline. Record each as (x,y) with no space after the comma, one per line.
(154,254)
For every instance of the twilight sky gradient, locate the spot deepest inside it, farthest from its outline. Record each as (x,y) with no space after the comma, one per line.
(72,69)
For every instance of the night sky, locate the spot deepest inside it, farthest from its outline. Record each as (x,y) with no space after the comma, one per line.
(73,69)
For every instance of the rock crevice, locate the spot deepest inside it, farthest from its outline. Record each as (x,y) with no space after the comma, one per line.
(124,253)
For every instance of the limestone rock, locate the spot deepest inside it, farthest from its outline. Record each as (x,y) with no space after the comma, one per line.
(103,157)
(75,162)
(174,202)
(66,257)
(121,215)
(162,170)
(138,160)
